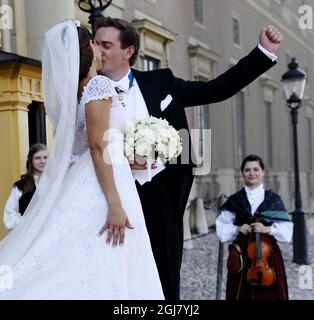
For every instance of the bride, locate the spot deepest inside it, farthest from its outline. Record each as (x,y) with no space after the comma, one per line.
(83,236)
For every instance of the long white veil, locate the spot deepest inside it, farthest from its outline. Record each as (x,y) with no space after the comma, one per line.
(60,73)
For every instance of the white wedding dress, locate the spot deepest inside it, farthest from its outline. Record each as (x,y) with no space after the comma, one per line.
(68,260)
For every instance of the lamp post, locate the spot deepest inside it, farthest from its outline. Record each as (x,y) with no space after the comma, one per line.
(294,84)
(95,10)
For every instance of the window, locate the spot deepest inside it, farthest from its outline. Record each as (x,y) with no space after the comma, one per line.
(150,63)
(288,58)
(36,123)
(201,116)
(310,144)
(202,62)
(268,156)
(201,122)
(308,73)
(240,126)
(198,11)
(155,40)
(236,31)
(291,145)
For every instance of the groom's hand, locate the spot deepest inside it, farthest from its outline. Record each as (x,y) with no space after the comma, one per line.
(270,39)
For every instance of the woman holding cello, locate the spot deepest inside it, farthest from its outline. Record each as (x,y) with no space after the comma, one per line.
(255,219)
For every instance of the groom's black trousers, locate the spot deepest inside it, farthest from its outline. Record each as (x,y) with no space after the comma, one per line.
(163,201)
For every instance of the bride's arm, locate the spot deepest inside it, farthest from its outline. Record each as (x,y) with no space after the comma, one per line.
(97,122)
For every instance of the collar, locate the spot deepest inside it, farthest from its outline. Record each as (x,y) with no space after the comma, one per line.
(36,179)
(253,192)
(125,83)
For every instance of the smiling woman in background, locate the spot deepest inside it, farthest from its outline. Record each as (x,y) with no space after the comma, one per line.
(24,189)
(255,218)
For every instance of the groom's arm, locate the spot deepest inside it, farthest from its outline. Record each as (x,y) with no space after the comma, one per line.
(193,93)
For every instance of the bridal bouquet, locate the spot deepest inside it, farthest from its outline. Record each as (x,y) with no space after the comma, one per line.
(152,137)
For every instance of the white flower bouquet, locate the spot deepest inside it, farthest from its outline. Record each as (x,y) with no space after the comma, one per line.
(151,138)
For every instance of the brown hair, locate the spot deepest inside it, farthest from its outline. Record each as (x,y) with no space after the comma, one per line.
(128,34)
(28,176)
(86,52)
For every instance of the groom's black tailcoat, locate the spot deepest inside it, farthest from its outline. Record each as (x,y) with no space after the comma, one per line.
(165,197)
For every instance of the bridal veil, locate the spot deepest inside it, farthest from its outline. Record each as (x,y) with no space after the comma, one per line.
(60,74)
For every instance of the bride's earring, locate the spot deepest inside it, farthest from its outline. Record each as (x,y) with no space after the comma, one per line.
(94,57)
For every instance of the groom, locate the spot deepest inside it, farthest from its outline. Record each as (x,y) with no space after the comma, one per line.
(160,94)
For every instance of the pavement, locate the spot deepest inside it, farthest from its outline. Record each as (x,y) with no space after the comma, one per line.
(199,269)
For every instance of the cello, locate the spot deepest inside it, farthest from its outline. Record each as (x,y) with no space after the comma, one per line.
(259,251)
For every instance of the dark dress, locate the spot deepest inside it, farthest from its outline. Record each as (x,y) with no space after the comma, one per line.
(26,196)
(270,210)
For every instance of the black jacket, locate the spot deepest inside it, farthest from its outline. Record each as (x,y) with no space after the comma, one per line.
(165,197)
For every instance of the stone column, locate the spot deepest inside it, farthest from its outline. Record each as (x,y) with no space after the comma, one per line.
(18,85)
(200,217)
(20,27)
(40,16)
(7,31)
(283,188)
(226,181)
(311,192)
(187,235)
(304,191)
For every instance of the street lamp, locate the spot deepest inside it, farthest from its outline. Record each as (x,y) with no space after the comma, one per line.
(95,10)
(294,84)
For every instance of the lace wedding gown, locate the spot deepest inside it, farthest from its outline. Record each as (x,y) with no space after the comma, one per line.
(68,260)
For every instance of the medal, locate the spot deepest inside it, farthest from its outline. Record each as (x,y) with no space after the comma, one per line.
(121,99)
(121,91)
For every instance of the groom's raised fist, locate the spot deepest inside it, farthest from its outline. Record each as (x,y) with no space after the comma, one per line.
(270,38)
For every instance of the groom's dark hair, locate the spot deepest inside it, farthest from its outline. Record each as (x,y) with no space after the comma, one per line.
(128,34)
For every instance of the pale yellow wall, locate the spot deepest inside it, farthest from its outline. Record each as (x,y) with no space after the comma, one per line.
(49,129)
(20,84)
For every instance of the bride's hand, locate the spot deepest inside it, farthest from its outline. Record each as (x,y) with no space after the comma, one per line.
(116,222)
(140,163)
